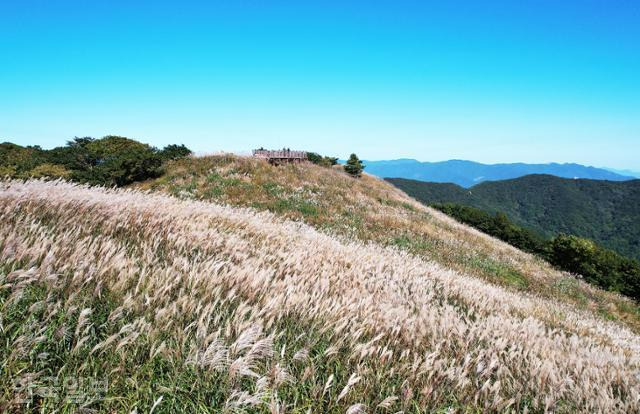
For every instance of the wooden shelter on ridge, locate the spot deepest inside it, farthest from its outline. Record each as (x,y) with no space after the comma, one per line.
(283,156)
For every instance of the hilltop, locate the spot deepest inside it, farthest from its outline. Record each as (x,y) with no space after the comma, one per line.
(469,173)
(605,211)
(371,210)
(197,306)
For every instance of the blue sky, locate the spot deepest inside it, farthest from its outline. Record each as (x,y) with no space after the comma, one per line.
(490,81)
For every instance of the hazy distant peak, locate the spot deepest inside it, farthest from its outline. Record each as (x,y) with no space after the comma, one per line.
(468,173)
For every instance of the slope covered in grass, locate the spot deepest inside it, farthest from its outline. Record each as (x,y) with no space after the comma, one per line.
(371,210)
(195,306)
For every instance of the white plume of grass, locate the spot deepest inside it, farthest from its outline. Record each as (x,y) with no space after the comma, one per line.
(353,380)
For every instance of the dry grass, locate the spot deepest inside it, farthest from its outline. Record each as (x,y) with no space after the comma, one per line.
(372,210)
(202,307)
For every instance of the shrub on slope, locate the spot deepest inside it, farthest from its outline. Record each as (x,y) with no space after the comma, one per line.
(198,306)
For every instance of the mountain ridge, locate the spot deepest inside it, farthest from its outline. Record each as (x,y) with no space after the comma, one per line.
(624,172)
(468,173)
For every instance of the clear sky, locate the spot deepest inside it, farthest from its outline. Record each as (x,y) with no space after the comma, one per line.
(490,81)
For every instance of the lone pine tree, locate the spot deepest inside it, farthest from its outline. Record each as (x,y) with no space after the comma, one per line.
(354,166)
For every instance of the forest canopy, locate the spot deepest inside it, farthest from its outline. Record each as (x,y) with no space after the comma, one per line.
(109,161)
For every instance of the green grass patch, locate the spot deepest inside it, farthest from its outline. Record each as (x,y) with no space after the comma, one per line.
(306,208)
(412,244)
(501,271)
(570,287)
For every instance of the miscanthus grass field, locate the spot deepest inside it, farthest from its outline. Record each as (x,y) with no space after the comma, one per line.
(180,305)
(373,211)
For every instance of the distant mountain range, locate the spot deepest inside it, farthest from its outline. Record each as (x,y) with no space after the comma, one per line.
(628,173)
(469,173)
(605,211)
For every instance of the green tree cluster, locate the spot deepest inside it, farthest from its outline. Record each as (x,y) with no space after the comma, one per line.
(18,161)
(324,161)
(110,161)
(597,265)
(498,226)
(174,152)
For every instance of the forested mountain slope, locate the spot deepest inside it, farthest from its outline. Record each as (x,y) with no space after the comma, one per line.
(605,211)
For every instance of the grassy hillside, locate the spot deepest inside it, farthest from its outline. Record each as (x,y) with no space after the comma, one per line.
(605,211)
(182,305)
(370,210)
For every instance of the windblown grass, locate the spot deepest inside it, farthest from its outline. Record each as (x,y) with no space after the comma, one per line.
(194,306)
(372,210)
